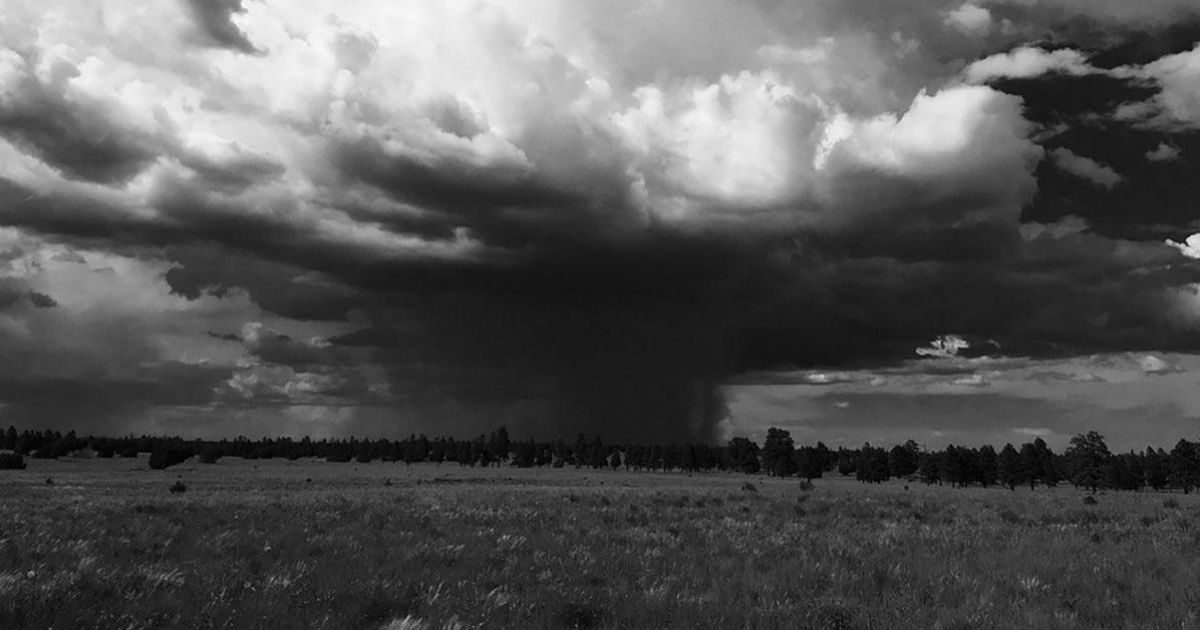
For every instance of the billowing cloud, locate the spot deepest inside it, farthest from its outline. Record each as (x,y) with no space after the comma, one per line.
(570,220)
(970,19)
(1163,153)
(1177,103)
(1085,167)
(214,22)
(1152,364)
(1190,247)
(1027,62)
(944,346)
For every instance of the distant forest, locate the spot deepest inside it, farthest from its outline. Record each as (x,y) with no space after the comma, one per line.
(1086,463)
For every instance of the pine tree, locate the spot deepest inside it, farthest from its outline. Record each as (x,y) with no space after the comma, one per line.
(809,463)
(1030,466)
(1087,457)
(743,455)
(1045,467)
(777,453)
(1184,467)
(987,465)
(1008,467)
(928,469)
(902,459)
(1154,465)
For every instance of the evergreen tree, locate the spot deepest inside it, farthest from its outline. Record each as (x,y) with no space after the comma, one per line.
(1043,464)
(825,457)
(499,445)
(1137,474)
(902,459)
(872,465)
(1008,467)
(1154,465)
(847,461)
(1087,458)
(928,468)
(743,455)
(777,453)
(953,469)
(1184,466)
(986,464)
(809,462)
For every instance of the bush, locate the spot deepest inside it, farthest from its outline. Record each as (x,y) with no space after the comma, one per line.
(46,452)
(11,461)
(128,452)
(165,455)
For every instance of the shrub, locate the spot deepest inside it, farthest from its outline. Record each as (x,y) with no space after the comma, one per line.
(12,461)
(45,452)
(165,455)
(210,455)
(128,452)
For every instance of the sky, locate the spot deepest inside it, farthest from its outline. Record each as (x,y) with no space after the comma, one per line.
(859,220)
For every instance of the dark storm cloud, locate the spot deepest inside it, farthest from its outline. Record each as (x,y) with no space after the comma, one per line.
(79,138)
(271,346)
(11,293)
(595,238)
(234,175)
(623,368)
(105,406)
(41,300)
(215,21)
(507,206)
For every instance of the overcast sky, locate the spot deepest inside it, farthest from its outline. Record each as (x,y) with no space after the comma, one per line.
(855,219)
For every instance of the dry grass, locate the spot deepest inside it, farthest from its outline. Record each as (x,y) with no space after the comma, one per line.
(318,545)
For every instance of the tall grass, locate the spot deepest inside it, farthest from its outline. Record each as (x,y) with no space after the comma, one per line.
(446,548)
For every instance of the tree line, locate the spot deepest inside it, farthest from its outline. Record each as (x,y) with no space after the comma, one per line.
(1086,462)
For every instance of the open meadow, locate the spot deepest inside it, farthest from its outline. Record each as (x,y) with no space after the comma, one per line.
(307,544)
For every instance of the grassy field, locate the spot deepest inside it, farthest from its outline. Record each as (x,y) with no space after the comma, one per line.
(322,545)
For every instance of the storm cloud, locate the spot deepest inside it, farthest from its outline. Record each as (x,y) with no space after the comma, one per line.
(380,219)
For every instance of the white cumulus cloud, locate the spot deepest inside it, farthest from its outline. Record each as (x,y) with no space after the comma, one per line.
(1026,62)
(970,19)
(1190,247)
